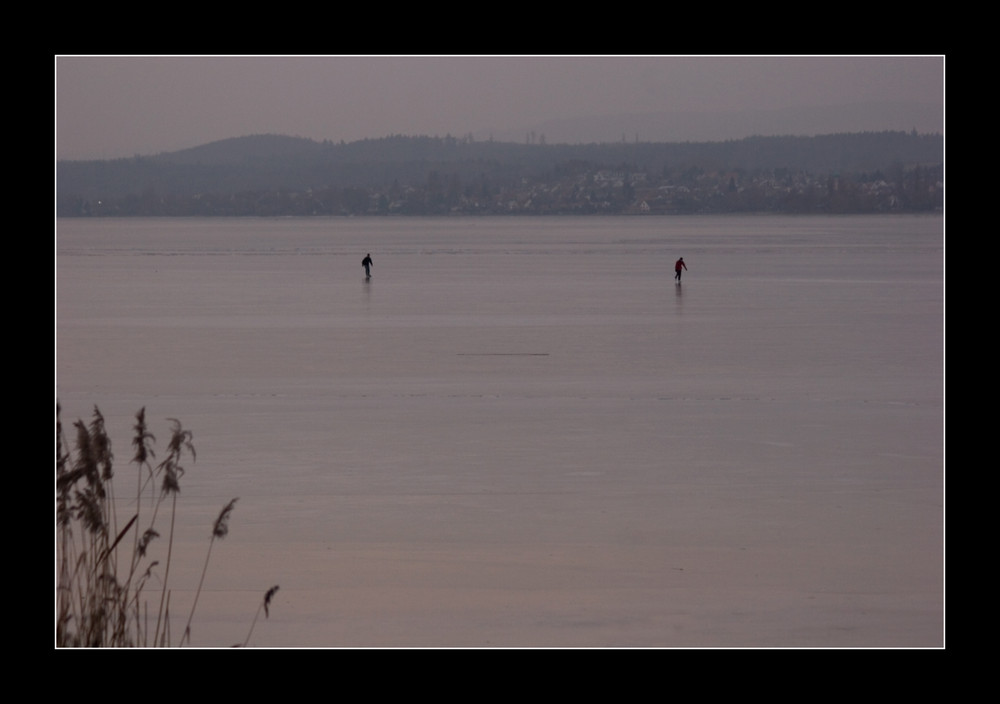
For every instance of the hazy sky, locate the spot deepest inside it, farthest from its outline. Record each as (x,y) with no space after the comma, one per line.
(111,107)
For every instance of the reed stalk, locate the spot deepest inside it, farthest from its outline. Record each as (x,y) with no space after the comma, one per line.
(219,530)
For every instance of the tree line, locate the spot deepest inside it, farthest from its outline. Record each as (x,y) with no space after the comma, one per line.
(278,175)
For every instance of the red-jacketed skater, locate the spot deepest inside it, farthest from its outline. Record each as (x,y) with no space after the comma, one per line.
(677,269)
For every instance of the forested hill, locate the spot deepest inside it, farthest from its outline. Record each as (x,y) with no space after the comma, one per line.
(280,175)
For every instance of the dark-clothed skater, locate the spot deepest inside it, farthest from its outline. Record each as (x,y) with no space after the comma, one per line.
(677,269)
(367,264)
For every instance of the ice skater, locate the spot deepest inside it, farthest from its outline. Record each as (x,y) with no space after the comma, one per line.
(367,264)
(677,269)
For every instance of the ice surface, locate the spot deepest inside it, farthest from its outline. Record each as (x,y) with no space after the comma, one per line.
(521,432)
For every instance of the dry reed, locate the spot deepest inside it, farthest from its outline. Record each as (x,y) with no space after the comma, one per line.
(99,601)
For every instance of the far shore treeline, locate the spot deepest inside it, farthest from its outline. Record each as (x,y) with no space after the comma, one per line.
(273,175)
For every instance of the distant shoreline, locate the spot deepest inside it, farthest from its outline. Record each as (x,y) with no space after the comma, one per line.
(271,175)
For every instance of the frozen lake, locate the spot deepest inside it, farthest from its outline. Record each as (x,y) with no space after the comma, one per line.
(521,432)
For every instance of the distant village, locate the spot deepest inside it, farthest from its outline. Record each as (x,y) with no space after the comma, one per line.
(614,192)
(597,192)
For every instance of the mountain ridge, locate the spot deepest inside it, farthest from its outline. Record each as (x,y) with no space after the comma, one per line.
(704,126)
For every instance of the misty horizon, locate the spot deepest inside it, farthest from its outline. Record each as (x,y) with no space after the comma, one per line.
(680,127)
(119,107)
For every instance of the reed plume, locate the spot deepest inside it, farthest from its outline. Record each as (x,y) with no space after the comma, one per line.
(268,595)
